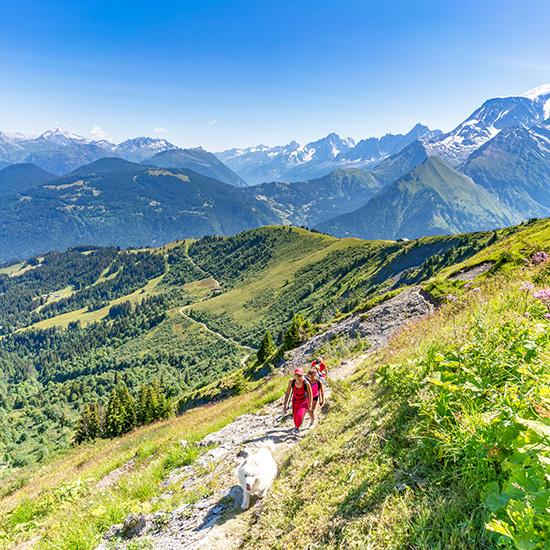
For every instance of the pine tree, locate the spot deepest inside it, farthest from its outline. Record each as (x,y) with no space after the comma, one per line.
(147,410)
(113,416)
(89,424)
(294,336)
(127,409)
(267,349)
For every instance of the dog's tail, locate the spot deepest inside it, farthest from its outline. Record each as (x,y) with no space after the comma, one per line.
(269,444)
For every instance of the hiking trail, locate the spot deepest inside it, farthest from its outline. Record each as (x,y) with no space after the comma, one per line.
(216,522)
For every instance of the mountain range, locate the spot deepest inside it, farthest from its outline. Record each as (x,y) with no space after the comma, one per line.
(294,162)
(61,152)
(432,199)
(485,123)
(113,201)
(486,175)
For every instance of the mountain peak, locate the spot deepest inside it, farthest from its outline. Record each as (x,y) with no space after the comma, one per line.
(537,92)
(60,135)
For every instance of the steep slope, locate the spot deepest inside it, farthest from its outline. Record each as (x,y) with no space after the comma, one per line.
(310,202)
(17,177)
(432,199)
(128,207)
(515,167)
(199,161)
(75,324)
(406,453)
(494,115)
(401,163)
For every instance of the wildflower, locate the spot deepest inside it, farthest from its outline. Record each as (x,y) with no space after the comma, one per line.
(452,298)
(469,285)
(539,257)
(476,290)
(543,295)
(526,287)
(547,315)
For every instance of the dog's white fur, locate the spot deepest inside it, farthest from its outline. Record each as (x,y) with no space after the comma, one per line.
(257,472)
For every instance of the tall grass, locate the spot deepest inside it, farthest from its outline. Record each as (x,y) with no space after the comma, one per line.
(61,505)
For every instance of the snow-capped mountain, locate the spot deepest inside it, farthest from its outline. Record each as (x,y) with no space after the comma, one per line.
(295,162)
(61,137)
(141,148)
(485,123)
(515,166)
(60,151)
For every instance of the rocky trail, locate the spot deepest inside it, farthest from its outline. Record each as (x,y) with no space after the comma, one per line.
(214,520)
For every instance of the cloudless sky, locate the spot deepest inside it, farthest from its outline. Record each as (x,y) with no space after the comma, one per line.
(225,74)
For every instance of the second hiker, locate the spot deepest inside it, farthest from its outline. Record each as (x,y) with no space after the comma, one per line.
(317,392)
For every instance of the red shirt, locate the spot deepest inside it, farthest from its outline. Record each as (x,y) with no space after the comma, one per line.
(322,368)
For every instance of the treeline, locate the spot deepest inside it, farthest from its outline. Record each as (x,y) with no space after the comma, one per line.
(246,254)
(25,298)
(21,294)
(123,413)
(43,354)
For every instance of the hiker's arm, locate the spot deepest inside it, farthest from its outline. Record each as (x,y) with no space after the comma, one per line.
(287,396)
(310,395)
(321,394)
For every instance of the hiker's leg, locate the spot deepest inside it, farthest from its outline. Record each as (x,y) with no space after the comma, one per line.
(301,409)
(295,406)
(312,413)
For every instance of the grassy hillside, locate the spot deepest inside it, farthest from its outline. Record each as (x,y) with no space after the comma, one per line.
(265,283)
(77,324)
(316,200)
(439,440)
(432,199)
(59,504)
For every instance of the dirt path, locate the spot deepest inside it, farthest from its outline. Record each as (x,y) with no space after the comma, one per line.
(216,521)
(217,333)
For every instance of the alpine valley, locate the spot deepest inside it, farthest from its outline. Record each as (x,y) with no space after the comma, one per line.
(154,306)
(493,169)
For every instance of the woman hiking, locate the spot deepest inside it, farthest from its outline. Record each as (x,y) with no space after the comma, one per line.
(321,367)
(302,398)
(318,394)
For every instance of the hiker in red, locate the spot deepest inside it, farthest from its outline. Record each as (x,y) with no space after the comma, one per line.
(317,392)
(321,367)
(301,398)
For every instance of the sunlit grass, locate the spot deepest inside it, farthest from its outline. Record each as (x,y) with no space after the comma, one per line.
(61,493)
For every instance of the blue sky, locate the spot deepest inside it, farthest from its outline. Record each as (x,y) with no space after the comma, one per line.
(238,73)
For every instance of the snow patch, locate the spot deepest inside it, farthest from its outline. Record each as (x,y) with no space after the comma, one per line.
(535,93)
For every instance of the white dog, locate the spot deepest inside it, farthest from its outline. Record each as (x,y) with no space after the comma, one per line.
(257,472)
